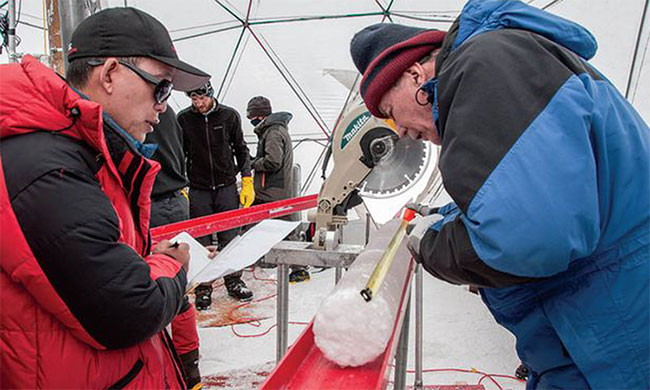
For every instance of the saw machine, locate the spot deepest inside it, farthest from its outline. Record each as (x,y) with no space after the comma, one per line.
(370,161)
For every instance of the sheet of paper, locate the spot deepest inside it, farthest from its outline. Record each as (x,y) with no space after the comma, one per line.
(198,254)
(244,250)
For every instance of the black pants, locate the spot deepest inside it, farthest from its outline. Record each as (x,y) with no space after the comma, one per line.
(169,208)
(206,202)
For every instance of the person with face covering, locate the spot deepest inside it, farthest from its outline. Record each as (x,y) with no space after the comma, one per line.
(273,162)
(549,169)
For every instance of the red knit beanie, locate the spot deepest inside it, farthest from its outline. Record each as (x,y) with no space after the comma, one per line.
(383,51)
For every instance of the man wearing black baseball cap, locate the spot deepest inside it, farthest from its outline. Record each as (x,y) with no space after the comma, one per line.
(82,290)
(139,35)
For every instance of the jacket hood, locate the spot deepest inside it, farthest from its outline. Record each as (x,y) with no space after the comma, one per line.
(34,98)
(277,118)
(479,16)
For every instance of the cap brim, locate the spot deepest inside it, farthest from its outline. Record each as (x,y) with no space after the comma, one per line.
(187,77)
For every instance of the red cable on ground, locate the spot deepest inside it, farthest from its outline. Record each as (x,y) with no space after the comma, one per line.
(246,320)
(491,377)
(261,279)
(253,321)
(472,371)
(232,327)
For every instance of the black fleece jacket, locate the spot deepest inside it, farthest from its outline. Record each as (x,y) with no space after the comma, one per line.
(168,135)
(212,143)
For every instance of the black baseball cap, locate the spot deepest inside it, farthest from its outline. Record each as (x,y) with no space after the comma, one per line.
(129,32)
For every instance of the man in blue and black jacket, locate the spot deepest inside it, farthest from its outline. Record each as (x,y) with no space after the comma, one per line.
(549,168)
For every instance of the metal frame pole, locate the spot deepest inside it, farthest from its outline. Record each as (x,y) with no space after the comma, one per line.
(637,63)
(401,357)
(71,13)
(11,33)
(367,228)
(418,384)
(54,36)
(282,316)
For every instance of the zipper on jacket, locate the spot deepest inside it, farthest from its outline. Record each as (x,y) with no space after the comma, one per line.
(178,364)
(129,377)
(207,136)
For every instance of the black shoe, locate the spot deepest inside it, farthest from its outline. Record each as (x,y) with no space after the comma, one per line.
(238,290)
(522,372)
(203,297)
(299,275)
(190,362)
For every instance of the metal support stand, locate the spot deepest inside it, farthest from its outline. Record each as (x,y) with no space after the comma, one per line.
(368,220)
(401,357)
(282,311)
(338,275)
(418,385)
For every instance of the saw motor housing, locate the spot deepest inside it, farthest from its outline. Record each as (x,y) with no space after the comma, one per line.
(359,143)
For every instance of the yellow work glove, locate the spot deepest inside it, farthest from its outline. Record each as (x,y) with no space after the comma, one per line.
(247,194)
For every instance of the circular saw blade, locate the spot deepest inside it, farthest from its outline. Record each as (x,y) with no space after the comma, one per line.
(399,170)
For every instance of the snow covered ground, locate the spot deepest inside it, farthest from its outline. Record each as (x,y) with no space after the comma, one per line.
(459,333)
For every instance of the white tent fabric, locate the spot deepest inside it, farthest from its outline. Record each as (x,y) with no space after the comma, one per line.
(289,49)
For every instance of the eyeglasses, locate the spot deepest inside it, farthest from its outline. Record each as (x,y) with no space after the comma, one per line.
(163,88)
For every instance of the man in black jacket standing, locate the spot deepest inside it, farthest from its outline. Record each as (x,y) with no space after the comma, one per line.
(216,152)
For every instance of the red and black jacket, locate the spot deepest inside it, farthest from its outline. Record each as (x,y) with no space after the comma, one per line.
(84,305)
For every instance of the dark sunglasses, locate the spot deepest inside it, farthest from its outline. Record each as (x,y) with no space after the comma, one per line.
(163,88)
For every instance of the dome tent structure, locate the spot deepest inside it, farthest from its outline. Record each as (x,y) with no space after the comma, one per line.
(288,50)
